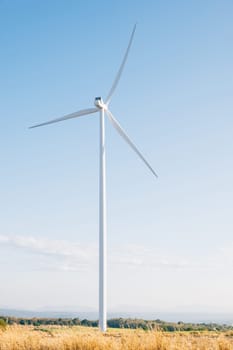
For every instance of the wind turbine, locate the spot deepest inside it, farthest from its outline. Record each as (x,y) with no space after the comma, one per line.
(102,107)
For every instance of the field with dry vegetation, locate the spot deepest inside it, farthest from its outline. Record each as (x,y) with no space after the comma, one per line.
(82,338)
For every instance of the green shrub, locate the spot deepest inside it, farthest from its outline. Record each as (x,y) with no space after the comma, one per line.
(2,324)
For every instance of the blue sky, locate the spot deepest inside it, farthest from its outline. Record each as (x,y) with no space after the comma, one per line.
(169,240)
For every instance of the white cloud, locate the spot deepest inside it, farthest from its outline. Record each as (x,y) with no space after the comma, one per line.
(143,257)
(57,254)
(65,255)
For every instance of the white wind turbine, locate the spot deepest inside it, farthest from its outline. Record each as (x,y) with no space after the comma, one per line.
(102,108)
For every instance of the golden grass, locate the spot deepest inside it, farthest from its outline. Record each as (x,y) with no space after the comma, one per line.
(82,338)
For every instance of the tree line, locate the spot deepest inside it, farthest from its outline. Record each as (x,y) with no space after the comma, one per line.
(118,323)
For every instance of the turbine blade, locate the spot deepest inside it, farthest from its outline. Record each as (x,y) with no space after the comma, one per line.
(127,139)
(114,85)
(68,116)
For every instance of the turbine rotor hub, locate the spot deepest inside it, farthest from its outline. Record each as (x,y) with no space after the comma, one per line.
(99,103)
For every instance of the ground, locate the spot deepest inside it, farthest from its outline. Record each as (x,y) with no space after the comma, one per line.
(84,338)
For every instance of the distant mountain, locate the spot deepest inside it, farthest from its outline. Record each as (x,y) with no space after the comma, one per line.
(53,314)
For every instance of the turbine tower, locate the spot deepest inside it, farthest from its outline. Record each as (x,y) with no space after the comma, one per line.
(103,108)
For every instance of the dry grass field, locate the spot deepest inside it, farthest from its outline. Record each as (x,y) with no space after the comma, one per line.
(82,338)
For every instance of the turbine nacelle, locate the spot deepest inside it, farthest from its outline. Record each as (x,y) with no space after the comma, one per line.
(99,103)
